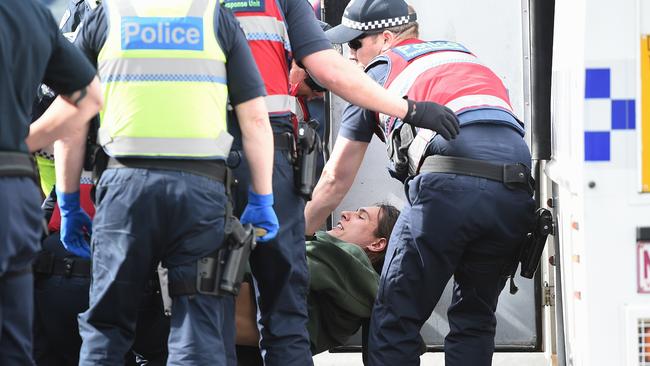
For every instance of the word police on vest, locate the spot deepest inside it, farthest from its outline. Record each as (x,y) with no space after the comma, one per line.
(162,33)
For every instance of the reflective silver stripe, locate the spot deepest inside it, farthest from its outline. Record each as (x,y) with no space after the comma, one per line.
(259,28)
(477,100)
(181,147)
(406,78)
(281,103)
(417,148)
(197,9)
(125,8)
(180,66)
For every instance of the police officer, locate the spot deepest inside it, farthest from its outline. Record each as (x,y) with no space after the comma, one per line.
(31,51)
(279,31)
(62,278)
(469,199)
(168,69)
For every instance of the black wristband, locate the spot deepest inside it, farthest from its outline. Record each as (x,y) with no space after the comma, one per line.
(310,237)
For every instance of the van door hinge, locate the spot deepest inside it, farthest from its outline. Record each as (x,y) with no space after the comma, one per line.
(549,295)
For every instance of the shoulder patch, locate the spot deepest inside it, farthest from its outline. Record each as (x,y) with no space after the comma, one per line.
(244,5)
(411,51)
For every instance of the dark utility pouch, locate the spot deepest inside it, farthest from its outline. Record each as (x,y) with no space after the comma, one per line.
(308,148)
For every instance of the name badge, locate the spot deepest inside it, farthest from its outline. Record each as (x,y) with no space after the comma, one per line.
(244,5)
(139,33)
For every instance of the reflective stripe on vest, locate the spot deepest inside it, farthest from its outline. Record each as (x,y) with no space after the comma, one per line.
(406,79)
(281,104)
(265,28)
(267,34)
(164,79)
(438,76)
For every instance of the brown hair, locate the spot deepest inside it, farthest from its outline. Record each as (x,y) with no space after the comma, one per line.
(388,215)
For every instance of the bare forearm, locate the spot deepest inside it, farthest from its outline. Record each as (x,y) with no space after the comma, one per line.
(328,194)
(68,159)
(335,182)
(258,143)
(258,148)
(345,79)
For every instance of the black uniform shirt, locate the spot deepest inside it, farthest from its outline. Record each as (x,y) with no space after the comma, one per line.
(244,80)
(32,51)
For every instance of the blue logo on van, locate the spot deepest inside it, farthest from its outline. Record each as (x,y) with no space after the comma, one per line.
(154,33)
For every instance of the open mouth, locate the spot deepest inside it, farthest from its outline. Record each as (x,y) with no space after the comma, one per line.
(339,226)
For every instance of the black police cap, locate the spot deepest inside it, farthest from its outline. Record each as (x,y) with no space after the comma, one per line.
(367,16)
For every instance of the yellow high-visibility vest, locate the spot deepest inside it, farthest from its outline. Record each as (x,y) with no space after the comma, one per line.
(163,76)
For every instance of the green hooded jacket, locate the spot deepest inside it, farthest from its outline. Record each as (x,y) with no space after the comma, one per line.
(342,289)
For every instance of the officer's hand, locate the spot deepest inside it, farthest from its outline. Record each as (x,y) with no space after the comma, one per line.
(259,212)
(73,222)
(434,117)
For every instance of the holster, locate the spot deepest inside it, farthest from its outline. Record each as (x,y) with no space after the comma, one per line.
(531,250)
(240,242)
(308,148)
(532,247)
(222,272)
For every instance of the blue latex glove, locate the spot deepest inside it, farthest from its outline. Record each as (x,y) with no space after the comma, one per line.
(259,212)
(73,221)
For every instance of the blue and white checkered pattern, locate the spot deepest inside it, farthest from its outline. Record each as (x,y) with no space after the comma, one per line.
(259,36)
(164,77)
(605,114)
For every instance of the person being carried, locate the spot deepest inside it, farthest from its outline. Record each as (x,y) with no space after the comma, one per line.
(344,265)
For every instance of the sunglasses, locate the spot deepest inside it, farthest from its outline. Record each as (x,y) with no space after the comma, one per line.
(355,44)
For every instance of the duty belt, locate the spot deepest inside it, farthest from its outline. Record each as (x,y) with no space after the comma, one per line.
(47,264)
(213,169)
(16,164)
(513,175)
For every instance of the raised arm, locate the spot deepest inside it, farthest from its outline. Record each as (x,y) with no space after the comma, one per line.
(335,181)
(349,82)
(346,79)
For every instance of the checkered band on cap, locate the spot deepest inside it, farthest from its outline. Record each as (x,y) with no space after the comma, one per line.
(378,24)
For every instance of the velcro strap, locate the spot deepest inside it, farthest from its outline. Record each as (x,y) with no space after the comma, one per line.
(284,141)
(182,288)
(511,173)
(213,169)
(16,164)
